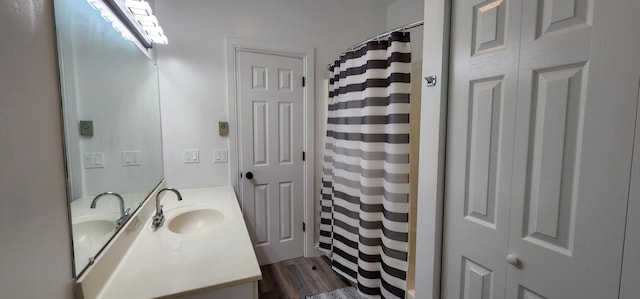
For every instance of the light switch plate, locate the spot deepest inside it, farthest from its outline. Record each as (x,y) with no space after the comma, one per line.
(191,156)
(220,155)
(93,160)
(130,158)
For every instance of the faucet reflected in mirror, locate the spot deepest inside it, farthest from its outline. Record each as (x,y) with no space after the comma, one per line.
(158,218)
(124,214)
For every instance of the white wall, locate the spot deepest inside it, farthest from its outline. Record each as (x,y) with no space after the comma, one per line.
(432,146)
(35,241)
(193,75)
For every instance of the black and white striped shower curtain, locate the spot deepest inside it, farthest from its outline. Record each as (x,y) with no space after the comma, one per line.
(365,193)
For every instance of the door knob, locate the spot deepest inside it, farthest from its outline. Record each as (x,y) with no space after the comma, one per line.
(249,175)
(513,260)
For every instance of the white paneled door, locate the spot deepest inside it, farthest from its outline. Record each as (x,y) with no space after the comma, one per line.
(270,93)
(541,122)
(479,148)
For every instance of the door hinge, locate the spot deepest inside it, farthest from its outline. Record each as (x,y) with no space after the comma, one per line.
(304,156)
(304,81)
(304,227)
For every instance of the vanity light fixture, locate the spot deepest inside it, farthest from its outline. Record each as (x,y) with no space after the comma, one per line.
(138,8)
(110,17)
(134,20)
(159,39)
(94,4)
(149,21)
(156,35)
(153,31)
(141,11)
(122,30)
(107,16)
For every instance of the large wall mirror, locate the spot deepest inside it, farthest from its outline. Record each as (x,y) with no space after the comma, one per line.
(112,125)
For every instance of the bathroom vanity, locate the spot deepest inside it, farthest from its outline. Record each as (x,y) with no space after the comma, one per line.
(203,250)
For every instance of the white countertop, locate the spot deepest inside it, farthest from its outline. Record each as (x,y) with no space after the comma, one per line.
(165,264)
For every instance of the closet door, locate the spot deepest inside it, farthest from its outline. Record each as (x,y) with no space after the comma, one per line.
(577,98)
(542,110)
(480,137)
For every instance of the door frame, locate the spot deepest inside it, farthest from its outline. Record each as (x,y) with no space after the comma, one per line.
(233,47)
(433,127)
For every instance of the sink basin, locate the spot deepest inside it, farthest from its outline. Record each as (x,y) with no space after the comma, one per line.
(89,231)
(196,221)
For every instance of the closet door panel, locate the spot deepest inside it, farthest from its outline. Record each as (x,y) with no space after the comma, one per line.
(484,45)
(574,139)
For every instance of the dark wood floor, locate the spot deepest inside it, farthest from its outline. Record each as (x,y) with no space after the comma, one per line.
(294,279)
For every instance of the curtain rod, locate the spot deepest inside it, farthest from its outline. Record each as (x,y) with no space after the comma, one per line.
(384,34)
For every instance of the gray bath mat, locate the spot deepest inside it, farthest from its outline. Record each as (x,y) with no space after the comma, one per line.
(346,293)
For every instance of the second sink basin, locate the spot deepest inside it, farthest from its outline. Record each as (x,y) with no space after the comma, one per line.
(196,221)
(89,231)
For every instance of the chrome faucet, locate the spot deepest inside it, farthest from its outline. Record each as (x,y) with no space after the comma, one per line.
(158,218)
(124,214)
